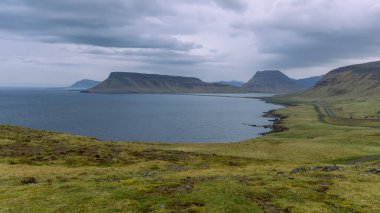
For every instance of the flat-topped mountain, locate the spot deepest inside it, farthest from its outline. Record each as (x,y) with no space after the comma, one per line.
(84,84)
(360,80)
(127,82)
(272,81)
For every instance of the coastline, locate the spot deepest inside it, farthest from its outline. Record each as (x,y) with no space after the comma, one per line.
(277,125)
(278,118)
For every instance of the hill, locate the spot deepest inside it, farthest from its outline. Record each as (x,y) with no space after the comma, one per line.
(308,82)
(232,83)
(84,84)
(272,81)
(127,82)
(360,80)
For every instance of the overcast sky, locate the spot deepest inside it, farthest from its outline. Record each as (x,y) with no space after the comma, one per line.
(45,42)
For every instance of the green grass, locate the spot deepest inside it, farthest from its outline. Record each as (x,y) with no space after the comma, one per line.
(81,174)
(364,109)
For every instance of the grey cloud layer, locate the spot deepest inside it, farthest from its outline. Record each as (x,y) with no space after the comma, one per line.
(111,23)
(230,38)
(309,33)
(155,57)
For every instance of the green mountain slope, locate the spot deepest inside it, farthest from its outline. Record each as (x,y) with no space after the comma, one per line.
(355,81)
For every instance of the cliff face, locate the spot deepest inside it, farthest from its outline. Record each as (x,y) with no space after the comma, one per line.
(361,80)
(125,82)
(272,81)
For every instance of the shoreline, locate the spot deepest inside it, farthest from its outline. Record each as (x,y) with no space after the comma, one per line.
(277,125)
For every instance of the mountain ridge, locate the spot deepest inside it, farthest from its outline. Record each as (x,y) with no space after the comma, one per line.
(358,80)
(272,81)
(131,82)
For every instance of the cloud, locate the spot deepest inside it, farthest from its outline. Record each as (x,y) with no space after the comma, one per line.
(237,5)
(156,57)
(298,33)
(113,23)
(210,39)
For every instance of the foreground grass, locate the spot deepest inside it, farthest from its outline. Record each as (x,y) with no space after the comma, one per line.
(53,172)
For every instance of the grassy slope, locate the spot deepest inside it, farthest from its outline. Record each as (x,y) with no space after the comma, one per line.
(357,108)
(73,173)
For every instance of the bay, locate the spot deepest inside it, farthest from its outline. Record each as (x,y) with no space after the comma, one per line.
(187,118)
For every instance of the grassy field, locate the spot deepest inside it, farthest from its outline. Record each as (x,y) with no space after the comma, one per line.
(367,109)
(291,171)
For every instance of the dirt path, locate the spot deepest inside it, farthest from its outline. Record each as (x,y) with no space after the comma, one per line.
(329,117)
(321,117)
(363,160)
(328,111)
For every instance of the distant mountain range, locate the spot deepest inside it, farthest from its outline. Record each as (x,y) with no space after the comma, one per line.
(126,82)
(360,80)
(83,84)
(271,81)
(271,86)
(308,82)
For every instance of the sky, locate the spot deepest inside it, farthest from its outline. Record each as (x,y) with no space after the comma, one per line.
(44,42)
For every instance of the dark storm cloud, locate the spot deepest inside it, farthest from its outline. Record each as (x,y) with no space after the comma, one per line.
(313,49)
(112,23)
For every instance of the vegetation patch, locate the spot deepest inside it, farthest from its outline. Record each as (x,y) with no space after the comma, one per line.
(28,180)
(303,169)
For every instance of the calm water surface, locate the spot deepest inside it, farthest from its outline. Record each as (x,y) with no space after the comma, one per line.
(136,117)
